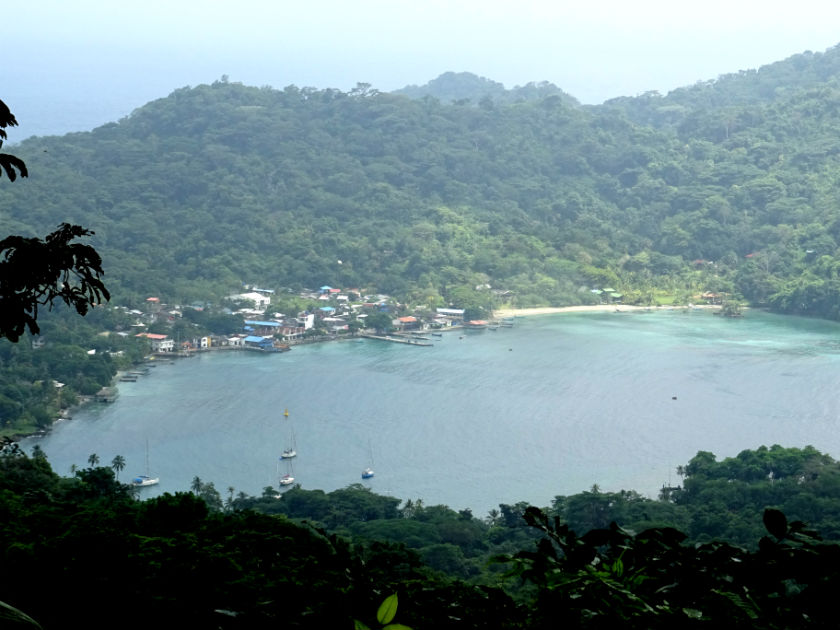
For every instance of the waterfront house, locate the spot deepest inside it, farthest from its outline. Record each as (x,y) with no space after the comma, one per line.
(292,332)
(160,343)
(306,319)
(254,342)
(408,323)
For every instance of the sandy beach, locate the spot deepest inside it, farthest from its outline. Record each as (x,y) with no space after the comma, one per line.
(590,308)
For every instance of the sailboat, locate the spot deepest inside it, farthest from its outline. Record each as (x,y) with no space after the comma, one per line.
(291,450)
(367,473)
(289,478)
(147,479)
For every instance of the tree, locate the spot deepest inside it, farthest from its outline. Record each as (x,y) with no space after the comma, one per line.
(37,272)
(93,459)
(118,463)
(381,322)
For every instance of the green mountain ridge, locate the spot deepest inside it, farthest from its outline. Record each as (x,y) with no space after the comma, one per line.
(728,186)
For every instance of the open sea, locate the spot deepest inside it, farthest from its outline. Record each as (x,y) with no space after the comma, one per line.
(548,407)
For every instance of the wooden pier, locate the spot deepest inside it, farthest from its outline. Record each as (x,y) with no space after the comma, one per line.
(398,339)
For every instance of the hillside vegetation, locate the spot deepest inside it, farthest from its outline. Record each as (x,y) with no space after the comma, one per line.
(315,559)
(728,186)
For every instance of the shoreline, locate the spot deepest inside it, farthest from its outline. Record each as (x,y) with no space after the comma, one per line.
(589,308)
(501,313)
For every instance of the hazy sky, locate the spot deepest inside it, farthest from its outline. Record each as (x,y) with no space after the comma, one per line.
(74,64)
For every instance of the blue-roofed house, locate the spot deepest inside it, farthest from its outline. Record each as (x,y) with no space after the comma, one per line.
(262,327)
(254,342)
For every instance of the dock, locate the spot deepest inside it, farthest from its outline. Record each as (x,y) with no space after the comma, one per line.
(106,395)
(396,339)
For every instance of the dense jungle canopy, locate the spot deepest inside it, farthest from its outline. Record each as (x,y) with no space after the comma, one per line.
(316,559)
(727,186)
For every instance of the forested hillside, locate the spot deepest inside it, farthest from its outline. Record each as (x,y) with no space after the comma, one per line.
(728,186)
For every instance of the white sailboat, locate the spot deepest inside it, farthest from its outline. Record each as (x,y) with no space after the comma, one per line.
(145,480)
(367,473)
(289,478)
(291,450)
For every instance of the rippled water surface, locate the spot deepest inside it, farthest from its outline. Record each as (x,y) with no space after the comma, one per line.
(551,406)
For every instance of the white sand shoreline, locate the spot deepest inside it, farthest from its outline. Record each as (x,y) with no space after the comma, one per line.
(590,308)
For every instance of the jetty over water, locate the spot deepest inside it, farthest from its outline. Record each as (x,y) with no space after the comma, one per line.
(398,339)
(106,395)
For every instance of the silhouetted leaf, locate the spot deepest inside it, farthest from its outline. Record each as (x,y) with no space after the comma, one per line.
(9,163)
(11,617)
(775,522)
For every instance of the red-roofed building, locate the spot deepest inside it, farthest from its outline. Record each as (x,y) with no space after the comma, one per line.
(408,323)
(153,304)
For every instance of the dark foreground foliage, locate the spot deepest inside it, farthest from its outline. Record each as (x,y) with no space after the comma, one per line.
(84,552)
(612,578)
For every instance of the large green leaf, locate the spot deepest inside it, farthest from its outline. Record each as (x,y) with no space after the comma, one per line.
(387,610)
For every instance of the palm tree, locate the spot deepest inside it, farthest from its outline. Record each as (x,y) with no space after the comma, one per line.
(197,486)
(118,463)
(93,460)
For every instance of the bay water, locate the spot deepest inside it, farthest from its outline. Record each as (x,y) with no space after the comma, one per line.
(548,407)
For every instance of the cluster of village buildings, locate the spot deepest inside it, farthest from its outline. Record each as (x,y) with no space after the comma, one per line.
(274,333)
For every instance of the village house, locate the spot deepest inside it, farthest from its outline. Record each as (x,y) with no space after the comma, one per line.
(451,315)
(254,342)
(292,332)
(152,304)
(160,343)
(306,319)
(261,302)
(335,324)
(408,323)
(262,328)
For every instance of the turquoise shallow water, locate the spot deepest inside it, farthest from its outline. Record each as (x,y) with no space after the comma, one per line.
(551,406)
